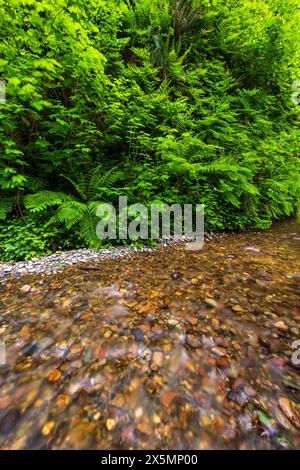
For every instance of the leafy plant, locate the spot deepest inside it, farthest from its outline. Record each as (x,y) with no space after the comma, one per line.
(81,210)
(25,238)
(191,99)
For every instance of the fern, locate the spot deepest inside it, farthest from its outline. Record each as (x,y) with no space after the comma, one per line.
(70,213)
(80,185)
(6,206)
(80,210)
(87,227)
(101,182)
(43,200)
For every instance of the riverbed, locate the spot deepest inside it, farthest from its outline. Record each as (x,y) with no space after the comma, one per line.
(162,349)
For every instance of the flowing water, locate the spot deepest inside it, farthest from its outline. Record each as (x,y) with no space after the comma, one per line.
(169,349)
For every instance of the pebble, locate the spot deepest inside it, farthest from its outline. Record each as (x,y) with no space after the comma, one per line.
(281,326)
(62,401)
(138,335)
(157,360)
(138,412)
(48,428)
(80,436)
(25,289)
(278,361)
(9,420)
(211,302)
(223,362)
(167,397)
(54,376)
(219,351)
(190,386)
(288,408)
(237,308)
(118,401)
(110,424)
(193,341)
(250,391)
(57,261)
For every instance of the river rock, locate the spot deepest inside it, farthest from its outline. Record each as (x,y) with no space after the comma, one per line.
(157,360)
(288,408)
(193,341)
(25,289)
(211,302)
(218,351)
(281,326)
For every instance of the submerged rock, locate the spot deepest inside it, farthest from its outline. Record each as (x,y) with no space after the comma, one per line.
(157,360)
(290,411)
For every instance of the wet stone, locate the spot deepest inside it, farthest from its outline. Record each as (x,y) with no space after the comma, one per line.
(138,335)
(281,326)
(157,360)
(80,437)
(29,348)
(211,302)
(289,409)
(9,420)
(25,289)
(218,351)
(194,341)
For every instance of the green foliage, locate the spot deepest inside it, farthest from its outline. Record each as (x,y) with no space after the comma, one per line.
(6,206)
(25,238)
(91,188)
(184,101)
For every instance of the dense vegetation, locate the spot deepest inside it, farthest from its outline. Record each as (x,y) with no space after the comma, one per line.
(159,100)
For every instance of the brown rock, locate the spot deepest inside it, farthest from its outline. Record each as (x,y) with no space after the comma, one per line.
(157,360)
(85,315)
(218,351)
(54,376)
(74,352)
(211,302)
(62,401)
(237,308)
(283,421)
(48,428)
(278,361)
(193,341)
(288,408)
(110,424)
(118,401)
(25,330)
(167,397)
(5,402)
(223,362)
(80,436)
(281,326)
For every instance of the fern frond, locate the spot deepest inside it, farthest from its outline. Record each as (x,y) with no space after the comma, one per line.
(70,213)
(102,180)
(42,200)
(80,186)
(87,230)
(6,205)
(93,206)
(179,164)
